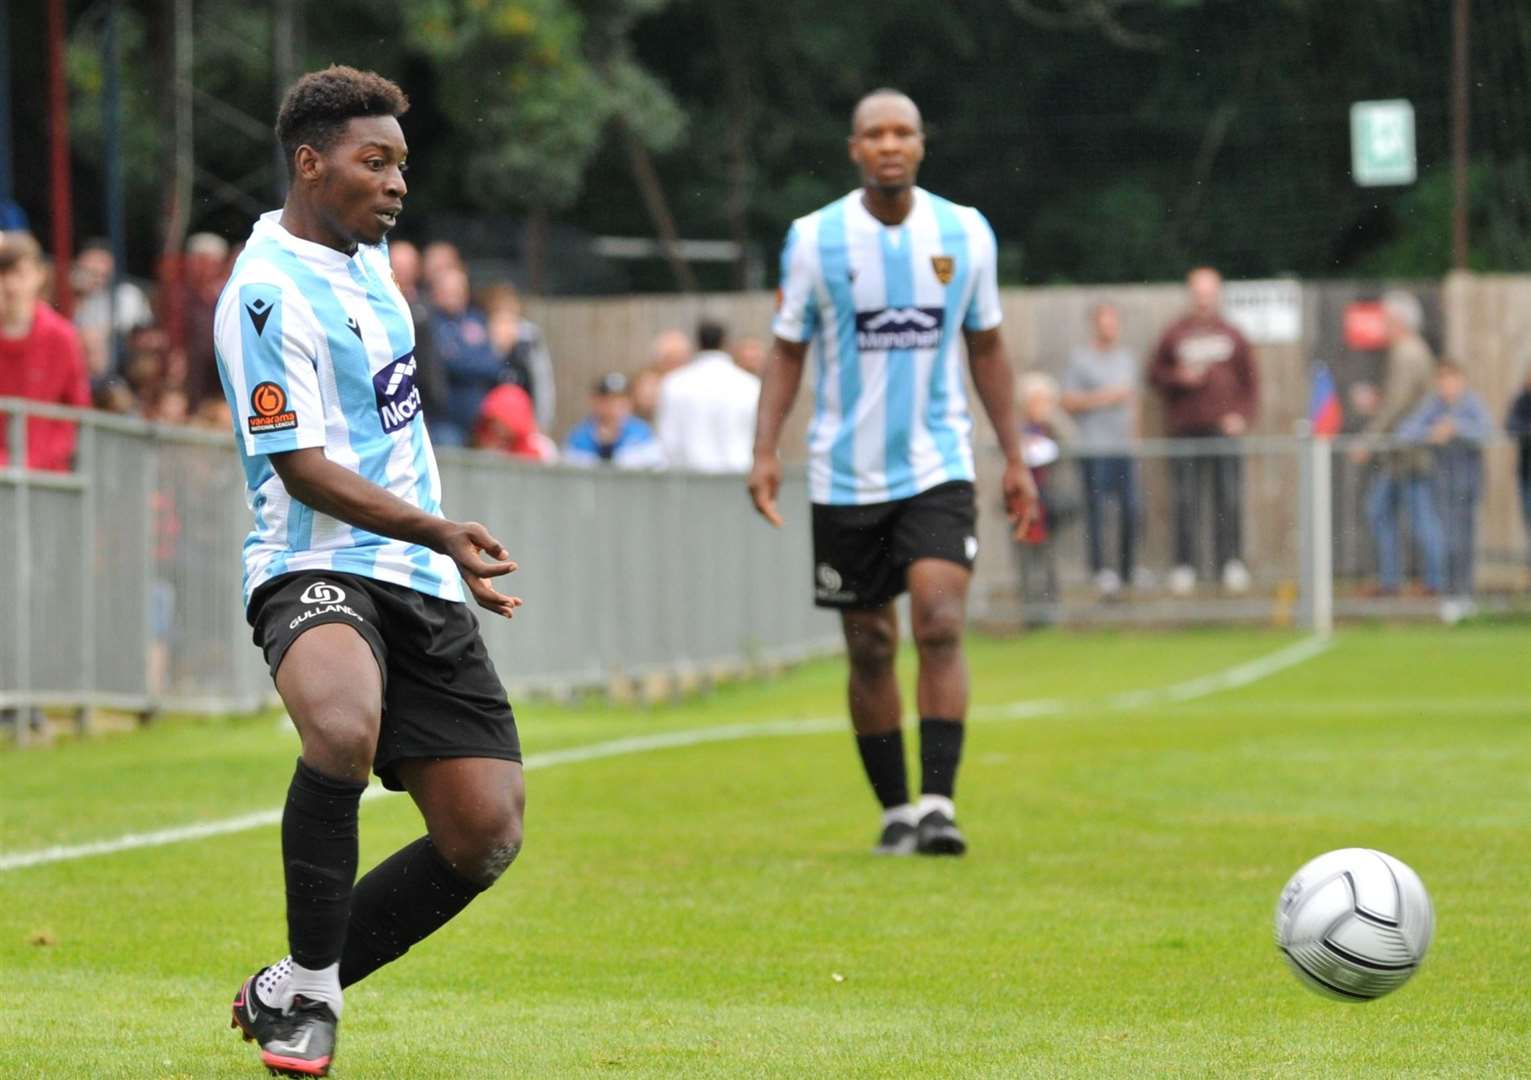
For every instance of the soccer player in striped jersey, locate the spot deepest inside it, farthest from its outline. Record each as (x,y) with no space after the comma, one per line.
(883,283)
(353,578)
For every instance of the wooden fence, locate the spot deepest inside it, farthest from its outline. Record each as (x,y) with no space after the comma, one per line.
(1483,321)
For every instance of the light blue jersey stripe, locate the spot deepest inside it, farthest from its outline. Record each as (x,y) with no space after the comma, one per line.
(834,259)
(353,382)
(401,343)
(898,281)
(938,411)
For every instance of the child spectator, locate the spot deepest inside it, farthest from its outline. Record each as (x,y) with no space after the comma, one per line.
(1039,447)
(507,423)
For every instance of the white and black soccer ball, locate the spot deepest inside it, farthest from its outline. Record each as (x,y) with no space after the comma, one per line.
(1354,924)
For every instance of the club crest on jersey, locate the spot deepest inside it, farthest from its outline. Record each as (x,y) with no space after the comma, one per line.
(945,267)
(899,328)
(398,398)
(268,402)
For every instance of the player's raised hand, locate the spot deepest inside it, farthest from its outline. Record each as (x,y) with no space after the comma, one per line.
(1022,503)
(764,484)
(467,542)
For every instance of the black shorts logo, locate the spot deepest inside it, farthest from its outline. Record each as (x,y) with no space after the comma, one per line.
(322,592)
(268,403)
(899,328)
(398,398)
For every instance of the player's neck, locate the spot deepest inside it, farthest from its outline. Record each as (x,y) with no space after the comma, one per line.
(888,207)
(306,223)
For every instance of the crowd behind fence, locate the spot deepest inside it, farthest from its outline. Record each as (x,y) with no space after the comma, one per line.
(123,575)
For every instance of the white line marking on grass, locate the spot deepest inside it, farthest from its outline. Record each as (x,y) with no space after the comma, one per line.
(1228,679)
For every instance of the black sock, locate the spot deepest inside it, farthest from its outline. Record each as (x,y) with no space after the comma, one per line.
(883,758)
(940,754)
(402,900)
(319,856)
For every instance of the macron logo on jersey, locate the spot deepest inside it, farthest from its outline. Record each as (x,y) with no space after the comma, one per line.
(899,328)
(398,398)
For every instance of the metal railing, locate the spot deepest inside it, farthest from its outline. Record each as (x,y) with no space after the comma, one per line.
(120,580)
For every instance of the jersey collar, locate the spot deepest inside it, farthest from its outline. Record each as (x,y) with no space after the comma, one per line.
(269,225)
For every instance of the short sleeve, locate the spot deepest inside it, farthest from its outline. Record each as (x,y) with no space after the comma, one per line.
(983,311)
(268,350)
(797,311)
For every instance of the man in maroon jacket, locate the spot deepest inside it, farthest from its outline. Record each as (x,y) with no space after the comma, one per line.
(40,355)
(1205,371)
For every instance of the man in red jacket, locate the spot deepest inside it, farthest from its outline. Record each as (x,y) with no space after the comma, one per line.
(1205,371)
(40,355)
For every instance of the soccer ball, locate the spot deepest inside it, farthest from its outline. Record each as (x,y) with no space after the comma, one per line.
(1354,924)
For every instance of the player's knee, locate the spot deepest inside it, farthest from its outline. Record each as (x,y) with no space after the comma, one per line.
(493,843)
(340,741)
(938,629)
(872,651)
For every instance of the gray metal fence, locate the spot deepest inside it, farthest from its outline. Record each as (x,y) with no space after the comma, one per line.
(119,581)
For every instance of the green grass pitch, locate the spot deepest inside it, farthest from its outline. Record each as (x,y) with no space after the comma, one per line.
(713,910)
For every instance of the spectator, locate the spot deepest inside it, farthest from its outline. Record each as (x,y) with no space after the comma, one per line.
(213,415)
(206,269)
(146,362)
(404,261)
(519,344)
(103,331)
(706,417)
(645,394)
(1040,450)
(41,358)
(1205,371)
(1100,393)
(611,433)
(507,423)
(112,394)
(460,336)
(438,257)
(750,354)
(670,350)
(1399,476)
(1455,423)
(172,406)
(1518,426)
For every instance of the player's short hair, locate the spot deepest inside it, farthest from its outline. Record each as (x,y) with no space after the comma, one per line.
(710,334)
(884,91)
(316,108)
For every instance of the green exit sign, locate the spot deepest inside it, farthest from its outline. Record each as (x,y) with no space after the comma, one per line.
(1382,143)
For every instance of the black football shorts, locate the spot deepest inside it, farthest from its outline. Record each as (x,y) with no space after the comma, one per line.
(441,696)
(862,554)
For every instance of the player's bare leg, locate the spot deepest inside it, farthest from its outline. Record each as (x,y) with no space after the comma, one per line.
(938,592)
(330,682)
(472,809)
(871,645)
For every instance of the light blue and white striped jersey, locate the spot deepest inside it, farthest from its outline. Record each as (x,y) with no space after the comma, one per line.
(885,307)
(316,348)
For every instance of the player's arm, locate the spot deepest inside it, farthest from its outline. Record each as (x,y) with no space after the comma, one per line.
(779,383)
(995,383)
(318,482)
(797,320)
(994,380)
